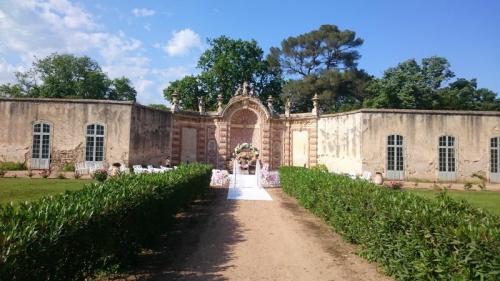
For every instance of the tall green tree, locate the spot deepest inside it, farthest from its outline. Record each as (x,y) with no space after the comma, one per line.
(225,65)
(322,62)
(463,94)
(337,90)
(10,90)
(428,85)
(323,49)
(121,89)
(188,90)
(69,76)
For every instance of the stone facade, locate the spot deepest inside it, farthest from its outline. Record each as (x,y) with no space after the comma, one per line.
(132,133)
(353,142)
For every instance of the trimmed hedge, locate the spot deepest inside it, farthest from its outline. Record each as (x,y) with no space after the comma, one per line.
(73,235)
(413,238)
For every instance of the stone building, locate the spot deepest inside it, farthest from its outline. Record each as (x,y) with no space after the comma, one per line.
(400,144)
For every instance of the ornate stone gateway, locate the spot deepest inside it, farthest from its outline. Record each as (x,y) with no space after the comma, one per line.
(245,119)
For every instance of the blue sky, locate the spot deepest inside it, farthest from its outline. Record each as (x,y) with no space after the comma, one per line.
(155,42)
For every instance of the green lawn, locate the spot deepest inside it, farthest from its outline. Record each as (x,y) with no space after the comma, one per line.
(25,189)
(485,200)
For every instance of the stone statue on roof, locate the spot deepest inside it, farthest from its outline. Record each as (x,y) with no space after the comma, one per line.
(245,89)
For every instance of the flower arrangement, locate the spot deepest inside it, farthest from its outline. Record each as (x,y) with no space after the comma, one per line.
(219,178)
(245,151)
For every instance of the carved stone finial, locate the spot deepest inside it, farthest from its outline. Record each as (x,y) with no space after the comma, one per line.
(245,88)
(315,110)
(270,103)
(239,91)
(175,103)
(201,105)
(219,104)
(288,105)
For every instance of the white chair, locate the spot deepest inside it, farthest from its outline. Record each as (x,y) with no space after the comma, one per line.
(165,169)
(152,169)
(124,169)
(367,176)
(138,169)
(81,168)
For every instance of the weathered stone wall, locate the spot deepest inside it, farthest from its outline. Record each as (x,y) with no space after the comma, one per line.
(150,136)
(421,131)
(339,142)
(68,119)
(301,140)
(186,126)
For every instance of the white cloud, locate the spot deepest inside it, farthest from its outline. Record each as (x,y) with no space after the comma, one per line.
(182,42)
(147,27)
(40,27)
(143,12)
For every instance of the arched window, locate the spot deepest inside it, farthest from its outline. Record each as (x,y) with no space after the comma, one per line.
(395,158)
(94,148)
(40,152)
(447,163)
(495,159)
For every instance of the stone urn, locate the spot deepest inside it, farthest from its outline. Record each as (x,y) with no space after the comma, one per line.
(378,178)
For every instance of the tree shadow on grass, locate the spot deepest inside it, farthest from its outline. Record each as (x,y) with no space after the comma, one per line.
(198,245)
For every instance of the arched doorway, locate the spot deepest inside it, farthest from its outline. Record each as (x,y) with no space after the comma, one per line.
(244,128)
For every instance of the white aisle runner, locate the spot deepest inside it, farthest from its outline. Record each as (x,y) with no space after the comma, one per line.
(246,188)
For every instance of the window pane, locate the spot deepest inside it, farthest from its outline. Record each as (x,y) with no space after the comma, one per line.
(390,158)
(442,159)
(36,146)
(399,140)
(390,140)
(36,128)
(451,160)
(451,141)
(90,129)
(99,130)
(442,141)
(99,149)
(46,128)
(399,159)
(494,142)
(89,149)
(45,146)
(494,160)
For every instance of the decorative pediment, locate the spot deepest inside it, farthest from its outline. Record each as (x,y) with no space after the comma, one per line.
(245,102)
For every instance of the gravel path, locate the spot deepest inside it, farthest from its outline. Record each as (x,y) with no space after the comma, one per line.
(221,239)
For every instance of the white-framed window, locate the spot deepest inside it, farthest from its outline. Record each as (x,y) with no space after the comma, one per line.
(40,150)
(447,158)
(94,148)
(495,159)
(395,157)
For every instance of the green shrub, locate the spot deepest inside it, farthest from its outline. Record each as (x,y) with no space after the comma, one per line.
(70,236)
(413,238)
(61,176)
(12,166)
(2,173)
(69,167)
